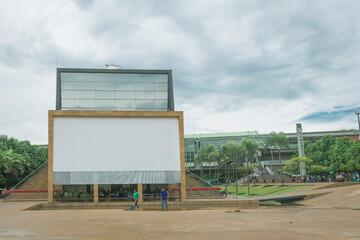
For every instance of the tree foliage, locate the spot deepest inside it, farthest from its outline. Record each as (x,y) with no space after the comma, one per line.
(18,159)
(334,154)
(228,154)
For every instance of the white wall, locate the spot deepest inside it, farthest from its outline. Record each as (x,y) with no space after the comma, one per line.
(116,144)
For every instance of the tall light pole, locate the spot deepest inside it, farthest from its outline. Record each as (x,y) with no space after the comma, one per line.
(301,150)
(358,113)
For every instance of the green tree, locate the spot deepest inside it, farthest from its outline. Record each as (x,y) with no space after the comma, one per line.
(270,143)
(281,142)
(293,166)
(251,148)
(317,169)
(209,160)
(12,164)
(353,156)
(338,156)
(200,159)
(231,152)
(215,157)
(32,157)
(319,150)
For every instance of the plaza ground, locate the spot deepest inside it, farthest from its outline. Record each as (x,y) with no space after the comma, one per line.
(331,216)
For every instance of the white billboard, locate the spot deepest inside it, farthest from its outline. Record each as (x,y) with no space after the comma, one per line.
(108,144)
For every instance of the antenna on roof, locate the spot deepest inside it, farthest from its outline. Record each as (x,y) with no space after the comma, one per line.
(113,66)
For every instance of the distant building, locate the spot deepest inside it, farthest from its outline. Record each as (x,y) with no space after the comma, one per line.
(193,143)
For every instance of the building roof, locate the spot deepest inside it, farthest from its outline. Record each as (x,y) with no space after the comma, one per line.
(226,134)
(350,132)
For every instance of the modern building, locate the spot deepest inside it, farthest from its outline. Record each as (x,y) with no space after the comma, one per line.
(115,127)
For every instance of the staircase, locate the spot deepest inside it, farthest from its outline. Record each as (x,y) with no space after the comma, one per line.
(263,174)
(37,180)
(193,182)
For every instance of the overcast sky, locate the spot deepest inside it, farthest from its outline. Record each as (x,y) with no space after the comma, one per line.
(237,65)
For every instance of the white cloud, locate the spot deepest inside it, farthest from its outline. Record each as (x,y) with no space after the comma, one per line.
(237,65)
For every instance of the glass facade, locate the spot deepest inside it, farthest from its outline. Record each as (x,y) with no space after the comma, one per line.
(194,142)
(114,91)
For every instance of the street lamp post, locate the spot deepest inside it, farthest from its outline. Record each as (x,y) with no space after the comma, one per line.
(358,113)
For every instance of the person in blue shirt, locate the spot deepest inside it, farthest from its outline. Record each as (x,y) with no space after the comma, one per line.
(164,196)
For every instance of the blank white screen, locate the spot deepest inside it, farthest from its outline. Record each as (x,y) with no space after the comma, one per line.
(116,144)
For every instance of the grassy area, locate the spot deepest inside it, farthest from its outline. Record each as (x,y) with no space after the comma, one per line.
(261,190)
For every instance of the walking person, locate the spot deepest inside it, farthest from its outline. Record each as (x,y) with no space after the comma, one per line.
(136,195)
(164,196)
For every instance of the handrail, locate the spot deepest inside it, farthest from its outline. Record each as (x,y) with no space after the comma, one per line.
(19,184)
(199,178)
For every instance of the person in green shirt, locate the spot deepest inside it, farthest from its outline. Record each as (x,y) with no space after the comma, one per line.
(136,195)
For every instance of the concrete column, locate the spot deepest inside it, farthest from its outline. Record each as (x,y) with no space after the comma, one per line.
(50,193)
(50,159)
(183,192)
(140,191)
(182,159)
(96,193)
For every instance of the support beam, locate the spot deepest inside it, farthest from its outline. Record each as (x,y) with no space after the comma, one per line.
(96,193)
(182,159)
(50,159)
(140,191)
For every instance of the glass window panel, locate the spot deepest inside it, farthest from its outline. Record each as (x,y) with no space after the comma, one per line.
(105,104)
(146,78)
(125,95)
(85,85)
(151,77)
(161,78)
(145,104)
(84,77)
(105,86)
(161,86)
(126,78)
(144,95)
(144,86)
(85,94)
(150,109)
(85,103)
(129,104)
(67,85)
(66,77)
(125,109)
(105,94)
(161,103)
(125,86)
(68,103)
(105,77)
(161,95)
(67,94)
